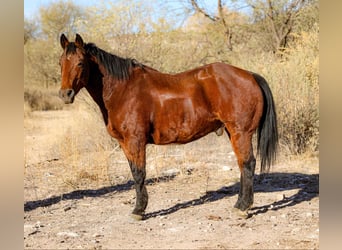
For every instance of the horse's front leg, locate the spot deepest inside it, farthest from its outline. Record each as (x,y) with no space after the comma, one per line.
(139,175)
(135,151)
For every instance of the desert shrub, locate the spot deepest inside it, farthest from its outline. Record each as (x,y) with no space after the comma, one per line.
(298,95)
(293,78)
(86,130)
(84,145)
(41,99)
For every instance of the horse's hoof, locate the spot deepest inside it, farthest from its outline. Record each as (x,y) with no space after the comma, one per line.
(137,217)
(242,214)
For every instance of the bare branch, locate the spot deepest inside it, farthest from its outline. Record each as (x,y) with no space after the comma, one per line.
(202,11)
(217,19)
(280,20)
(228,32)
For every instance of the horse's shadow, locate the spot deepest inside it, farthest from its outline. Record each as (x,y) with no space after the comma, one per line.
(80,194)
(307,185)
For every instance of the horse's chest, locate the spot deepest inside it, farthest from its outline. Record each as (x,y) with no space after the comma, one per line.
(113,131)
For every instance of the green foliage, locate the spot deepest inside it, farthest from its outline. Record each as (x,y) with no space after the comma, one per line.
(127,28)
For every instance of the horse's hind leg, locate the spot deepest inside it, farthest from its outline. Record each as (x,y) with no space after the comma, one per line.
(242,146)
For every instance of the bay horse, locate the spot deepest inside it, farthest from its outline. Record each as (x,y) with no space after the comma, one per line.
(141,106)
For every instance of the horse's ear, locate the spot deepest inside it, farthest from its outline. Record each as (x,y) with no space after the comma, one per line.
(64,41)
(79,41)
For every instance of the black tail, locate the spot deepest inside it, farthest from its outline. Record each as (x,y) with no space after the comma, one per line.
(267,131)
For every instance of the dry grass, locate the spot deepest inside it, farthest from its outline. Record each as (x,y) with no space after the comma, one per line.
(75,140)
(293,77)
(85,147)
(298,96)
(42,99)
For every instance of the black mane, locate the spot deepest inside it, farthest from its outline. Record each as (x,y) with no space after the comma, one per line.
(116,66)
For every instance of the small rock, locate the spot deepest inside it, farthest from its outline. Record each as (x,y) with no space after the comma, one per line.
(69,234)
(214,217)
(226,168)
(29,226)
(172,229)
(170,172)
(67,208)
(189,170)
(313,236)
(97,235)
(38,225)
(121,178)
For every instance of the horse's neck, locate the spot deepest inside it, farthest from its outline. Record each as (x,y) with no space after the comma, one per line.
(95,88)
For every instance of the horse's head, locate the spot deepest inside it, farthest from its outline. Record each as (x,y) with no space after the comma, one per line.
(74,68)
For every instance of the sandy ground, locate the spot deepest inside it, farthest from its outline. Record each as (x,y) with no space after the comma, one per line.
(192,190)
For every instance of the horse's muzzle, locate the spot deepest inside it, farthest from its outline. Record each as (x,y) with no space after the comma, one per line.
(67,95)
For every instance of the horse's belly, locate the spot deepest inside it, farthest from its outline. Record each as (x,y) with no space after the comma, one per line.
(182,119)
(183,132)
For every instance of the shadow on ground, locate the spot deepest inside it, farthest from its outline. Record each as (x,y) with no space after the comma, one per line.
(80,194)
(307,185)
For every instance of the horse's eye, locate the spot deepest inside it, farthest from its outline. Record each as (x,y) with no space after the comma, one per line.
(80,65)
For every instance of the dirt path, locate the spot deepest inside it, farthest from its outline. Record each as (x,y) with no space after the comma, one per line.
(190,205)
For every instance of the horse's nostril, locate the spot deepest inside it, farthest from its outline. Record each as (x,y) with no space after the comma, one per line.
(70,92)
(67,95)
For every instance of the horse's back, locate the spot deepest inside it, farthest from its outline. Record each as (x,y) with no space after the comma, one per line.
(225,85)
